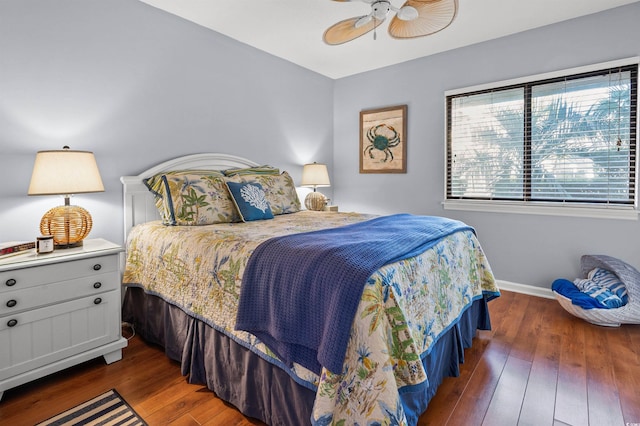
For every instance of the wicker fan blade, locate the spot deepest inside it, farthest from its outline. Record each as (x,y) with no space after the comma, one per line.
(433,16)
(346,30)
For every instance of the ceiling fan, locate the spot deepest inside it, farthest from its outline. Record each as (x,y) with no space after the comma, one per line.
(416,18)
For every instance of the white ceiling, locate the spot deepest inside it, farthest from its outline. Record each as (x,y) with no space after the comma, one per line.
(292,29)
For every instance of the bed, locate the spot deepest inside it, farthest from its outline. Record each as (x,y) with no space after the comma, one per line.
(188,289)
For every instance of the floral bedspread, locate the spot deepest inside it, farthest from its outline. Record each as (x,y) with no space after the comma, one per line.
(404,308)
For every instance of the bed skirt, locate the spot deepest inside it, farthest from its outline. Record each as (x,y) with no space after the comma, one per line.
(260,389)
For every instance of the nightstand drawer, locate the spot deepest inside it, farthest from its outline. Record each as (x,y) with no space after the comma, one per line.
(48,294)
(35,338)
(35,276)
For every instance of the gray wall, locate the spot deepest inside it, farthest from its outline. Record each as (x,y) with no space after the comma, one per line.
(525,249)
(138,86)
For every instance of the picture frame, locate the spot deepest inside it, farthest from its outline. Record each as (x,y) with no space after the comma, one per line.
(383,140)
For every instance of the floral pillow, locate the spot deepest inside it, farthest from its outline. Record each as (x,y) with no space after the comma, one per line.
(250,200)
(193,197)
(280,191)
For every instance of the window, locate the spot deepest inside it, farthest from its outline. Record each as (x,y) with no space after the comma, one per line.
(562,140)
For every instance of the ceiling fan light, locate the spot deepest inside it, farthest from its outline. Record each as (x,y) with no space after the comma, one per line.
(407,13)
(362,21)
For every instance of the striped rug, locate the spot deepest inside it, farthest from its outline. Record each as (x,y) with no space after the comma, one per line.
(108,409)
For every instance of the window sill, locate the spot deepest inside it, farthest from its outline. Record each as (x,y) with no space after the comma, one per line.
(551,209)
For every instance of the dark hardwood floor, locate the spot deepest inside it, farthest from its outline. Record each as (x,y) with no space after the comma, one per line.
(538,366)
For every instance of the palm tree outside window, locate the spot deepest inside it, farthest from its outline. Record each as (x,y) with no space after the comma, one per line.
(569,139)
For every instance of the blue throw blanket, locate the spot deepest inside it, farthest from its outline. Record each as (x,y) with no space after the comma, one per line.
(300,292)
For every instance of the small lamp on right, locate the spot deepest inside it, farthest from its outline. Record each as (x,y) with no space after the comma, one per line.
(315,175)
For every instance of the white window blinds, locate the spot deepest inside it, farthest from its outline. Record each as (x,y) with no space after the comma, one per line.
(568,139)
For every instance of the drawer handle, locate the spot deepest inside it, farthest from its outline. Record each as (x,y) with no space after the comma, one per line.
(97,285)
(97,301)
(97,267)
(12,322)
(11,303)
(10,282)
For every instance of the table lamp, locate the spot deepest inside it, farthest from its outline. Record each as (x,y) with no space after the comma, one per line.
(65,172)
(315,175)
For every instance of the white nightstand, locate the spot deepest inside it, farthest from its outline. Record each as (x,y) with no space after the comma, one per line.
(58,310)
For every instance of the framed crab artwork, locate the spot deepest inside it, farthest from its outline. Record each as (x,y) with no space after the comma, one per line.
(383,140)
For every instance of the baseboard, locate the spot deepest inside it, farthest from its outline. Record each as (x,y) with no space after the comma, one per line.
(526,289)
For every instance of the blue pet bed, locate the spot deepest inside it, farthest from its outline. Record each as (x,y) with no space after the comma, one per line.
(605,299)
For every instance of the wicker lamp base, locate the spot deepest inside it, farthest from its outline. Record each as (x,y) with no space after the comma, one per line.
(68,225)
(315,201)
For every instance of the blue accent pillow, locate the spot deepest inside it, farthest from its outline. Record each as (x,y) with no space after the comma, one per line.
(250,200)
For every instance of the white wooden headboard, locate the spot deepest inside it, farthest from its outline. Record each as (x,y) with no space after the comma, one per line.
(139,205)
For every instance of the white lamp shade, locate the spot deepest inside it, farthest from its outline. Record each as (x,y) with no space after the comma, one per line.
(315,175)
(65,172)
